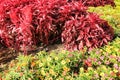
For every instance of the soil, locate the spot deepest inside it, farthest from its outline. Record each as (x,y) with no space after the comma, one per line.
(6,54)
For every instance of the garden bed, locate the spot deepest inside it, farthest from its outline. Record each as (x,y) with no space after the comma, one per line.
(55,63)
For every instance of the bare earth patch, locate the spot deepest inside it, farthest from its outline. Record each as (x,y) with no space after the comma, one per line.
(6,55)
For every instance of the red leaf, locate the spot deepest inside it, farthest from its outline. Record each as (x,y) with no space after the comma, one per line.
(80,46)
(27,14)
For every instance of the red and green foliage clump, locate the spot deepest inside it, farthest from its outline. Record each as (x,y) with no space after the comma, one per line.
(96,3)
(86,30)
(25,23)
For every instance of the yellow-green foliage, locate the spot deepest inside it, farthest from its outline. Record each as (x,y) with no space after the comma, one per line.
(64,65)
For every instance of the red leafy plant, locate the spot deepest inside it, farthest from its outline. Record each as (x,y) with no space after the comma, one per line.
(15,23)
(96,3)
(85,29)
(25,23)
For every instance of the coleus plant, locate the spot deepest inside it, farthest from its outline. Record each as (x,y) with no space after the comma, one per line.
(86,30)
(96,3)
(25,23)
(15,23)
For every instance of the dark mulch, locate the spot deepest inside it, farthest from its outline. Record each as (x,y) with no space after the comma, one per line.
(7,54)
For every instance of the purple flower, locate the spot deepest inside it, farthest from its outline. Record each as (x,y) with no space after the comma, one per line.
(111,79)
(89,60)
(97,52)
(99,62)
(118,59)
(119,69)
(112,56)
(116,66)
(101,57)
(96,76)
(106,75)
(95,59)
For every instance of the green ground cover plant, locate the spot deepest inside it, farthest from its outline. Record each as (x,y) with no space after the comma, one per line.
(98,64)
